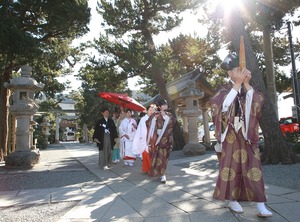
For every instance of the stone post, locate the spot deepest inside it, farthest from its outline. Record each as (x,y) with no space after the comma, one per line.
(85,133)
(205,125)
(31,130)
(57,120)
(23,107)
(192,96)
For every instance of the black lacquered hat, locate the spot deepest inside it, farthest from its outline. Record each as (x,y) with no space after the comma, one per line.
(161,102)
(230,62)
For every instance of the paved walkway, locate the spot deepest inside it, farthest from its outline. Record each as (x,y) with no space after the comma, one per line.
(123,193)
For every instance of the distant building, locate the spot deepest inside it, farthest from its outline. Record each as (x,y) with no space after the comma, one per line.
(68,105)
(68,124)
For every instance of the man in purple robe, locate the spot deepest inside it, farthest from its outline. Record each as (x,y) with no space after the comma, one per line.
(236,110)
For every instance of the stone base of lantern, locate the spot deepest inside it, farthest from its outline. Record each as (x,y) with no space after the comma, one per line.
(23,158)
(194,149)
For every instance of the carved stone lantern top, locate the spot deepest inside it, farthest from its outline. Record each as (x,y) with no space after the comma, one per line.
(24,88)
(45,122)
(24,81)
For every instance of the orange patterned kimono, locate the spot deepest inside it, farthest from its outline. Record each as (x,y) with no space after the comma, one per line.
(240,175)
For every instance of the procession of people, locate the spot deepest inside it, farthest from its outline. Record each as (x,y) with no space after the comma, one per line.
(236,109)
(151,139)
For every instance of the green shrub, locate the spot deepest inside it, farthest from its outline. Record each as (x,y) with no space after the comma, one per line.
(42,141)
(292,137)
(296,148)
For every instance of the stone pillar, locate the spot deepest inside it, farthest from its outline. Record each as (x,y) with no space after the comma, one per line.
(57,120)
(185,124)
(31,129)
(23,107)
(205,125)
(85,133)
(192,96)
(23,133)
(13,133)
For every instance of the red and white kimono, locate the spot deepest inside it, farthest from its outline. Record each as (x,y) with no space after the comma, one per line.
(127,127)
(140,145)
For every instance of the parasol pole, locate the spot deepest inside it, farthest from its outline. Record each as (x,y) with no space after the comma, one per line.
(242,54)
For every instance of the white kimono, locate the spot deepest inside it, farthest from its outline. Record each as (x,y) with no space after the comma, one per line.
(127,127)
(140,138)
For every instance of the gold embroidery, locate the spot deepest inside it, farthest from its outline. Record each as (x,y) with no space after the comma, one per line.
(217,192)
(227,174)
(257,154)
(222,155)
(240,156)
(158,162)
(164,140)
(261,97)
(254,174)
(236,192)
(230,137)
(214,109)
(255,108)
(250,194)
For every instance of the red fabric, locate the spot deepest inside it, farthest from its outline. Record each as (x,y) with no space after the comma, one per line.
(128,158)
(146,162)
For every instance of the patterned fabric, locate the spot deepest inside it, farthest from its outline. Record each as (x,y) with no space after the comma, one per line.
(240,175)
(159,154)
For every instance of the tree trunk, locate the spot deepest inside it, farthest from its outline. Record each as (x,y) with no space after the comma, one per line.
(179,141)
(160,83)
(270,75)
(4,110)
(276,148)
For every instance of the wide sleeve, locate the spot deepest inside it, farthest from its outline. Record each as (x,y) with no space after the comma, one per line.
(96,134)
(122,128)
(139,140)
(255,115)
(220,118)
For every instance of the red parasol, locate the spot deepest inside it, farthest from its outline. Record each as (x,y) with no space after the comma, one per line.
(122,100)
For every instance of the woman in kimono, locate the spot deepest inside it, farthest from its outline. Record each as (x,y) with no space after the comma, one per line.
(127,131)
(160,139)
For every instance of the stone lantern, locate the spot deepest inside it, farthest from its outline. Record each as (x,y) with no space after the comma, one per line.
(23,107)
(192,95)
(45,125)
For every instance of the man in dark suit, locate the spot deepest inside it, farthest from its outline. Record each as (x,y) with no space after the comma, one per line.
(104,135)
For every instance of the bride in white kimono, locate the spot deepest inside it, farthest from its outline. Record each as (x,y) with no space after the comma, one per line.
(127,130)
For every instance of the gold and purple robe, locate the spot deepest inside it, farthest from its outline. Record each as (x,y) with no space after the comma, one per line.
(240,175)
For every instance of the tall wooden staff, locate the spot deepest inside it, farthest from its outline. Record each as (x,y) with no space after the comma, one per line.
(242,53)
